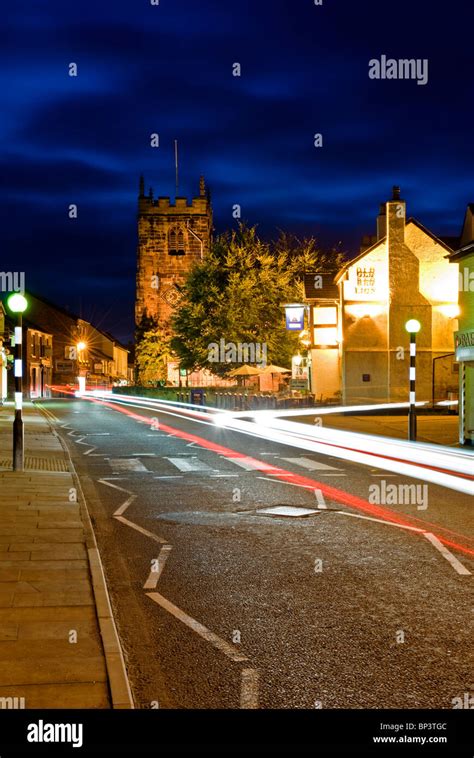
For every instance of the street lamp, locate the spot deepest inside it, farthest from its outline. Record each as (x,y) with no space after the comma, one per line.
(413,327)
(81,346)
(18,304)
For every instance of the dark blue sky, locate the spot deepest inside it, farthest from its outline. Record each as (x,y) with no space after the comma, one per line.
(168,69)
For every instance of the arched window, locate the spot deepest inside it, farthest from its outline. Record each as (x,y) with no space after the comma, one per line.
(176,242)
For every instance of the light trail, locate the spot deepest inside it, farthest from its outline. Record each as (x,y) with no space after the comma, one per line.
(447,536)
(436,464)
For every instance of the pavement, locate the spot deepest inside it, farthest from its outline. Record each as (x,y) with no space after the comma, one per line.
(58,642)
(219,605)
(440,429)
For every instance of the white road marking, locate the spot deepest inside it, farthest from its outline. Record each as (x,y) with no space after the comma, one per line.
(125,505)
(224,476)
(320,498)
(126,464)
(189,464)
(141,530)
(311,465)
(175,476)
(152,581)
(249,464)
(282,481)
(108,483)
(201,630)
(88,452)
(144,455)
(457,565)
(249,689)
(381,521)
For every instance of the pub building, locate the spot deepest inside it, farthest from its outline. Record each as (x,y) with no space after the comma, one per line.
(360,347)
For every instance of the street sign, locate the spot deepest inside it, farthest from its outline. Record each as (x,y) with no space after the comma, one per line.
(294,318)
(298,384)
(64,367)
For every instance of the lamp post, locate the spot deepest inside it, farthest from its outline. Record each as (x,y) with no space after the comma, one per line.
(413,327)
(81,347)
(18,303)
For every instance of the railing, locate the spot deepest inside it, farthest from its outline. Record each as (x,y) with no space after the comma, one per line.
(235,401)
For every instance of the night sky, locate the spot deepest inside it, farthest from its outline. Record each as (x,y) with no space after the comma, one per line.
(168,69)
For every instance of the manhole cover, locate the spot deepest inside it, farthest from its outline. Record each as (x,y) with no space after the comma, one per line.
(287,511)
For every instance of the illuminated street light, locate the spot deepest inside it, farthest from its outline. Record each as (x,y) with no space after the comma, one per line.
(81,346)
(17,303)
(413,327)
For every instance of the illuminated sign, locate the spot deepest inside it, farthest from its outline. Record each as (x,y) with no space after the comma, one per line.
(464,346)
(294,318)
(366,281)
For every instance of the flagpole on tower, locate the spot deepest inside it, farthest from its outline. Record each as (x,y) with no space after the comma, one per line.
(176,165)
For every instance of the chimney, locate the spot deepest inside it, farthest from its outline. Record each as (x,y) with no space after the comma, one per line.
(381,222)
(396,217)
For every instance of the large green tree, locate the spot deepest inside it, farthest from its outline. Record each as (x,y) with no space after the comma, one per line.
(236,293)
(152,352)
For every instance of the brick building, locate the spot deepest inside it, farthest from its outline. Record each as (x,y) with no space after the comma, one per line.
(171,237)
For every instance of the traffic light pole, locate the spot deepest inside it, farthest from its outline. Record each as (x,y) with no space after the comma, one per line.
(412,411)
(18,431)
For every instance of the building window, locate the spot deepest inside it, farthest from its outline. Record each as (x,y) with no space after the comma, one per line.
(325,325)
(176,242)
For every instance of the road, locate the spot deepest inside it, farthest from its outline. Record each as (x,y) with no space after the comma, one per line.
(220,606)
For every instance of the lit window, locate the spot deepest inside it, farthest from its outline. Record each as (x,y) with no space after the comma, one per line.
(325,315)
(325,335)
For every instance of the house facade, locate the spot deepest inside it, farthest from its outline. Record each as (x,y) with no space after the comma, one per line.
(360,348)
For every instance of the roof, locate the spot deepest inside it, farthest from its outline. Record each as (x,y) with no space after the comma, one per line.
(451,242)
(328,289)
(75,317)
(439,240)
(443,241)
(462,252)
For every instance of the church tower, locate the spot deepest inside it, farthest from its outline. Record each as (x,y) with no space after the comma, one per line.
(171,237)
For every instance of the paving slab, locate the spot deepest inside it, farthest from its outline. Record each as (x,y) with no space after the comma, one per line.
(58,642)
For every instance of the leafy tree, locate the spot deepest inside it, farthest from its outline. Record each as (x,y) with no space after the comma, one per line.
(152,354)
(236,294)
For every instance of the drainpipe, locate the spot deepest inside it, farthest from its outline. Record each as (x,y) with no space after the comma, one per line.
(448,355)
(201,242)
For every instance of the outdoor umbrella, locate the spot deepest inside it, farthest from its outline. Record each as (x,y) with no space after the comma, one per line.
(245,371)
(271,369)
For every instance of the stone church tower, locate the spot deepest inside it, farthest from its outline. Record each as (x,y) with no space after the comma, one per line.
(171,237)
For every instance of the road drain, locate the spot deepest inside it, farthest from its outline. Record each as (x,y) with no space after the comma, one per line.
(287,511)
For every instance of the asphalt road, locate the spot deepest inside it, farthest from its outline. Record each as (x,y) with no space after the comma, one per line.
(218,606)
